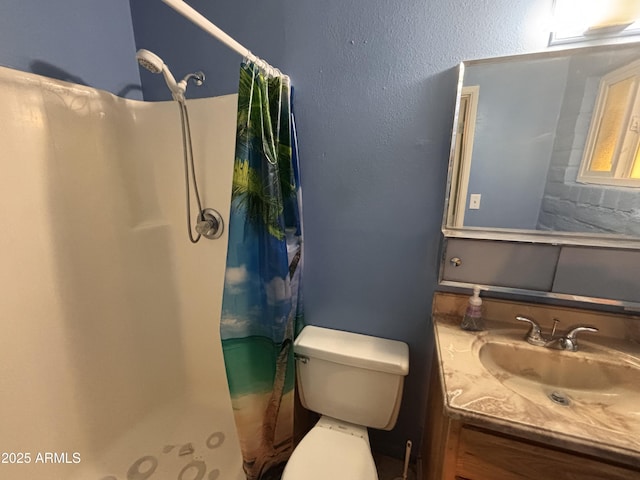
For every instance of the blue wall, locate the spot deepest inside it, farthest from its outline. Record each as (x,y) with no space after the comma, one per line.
(89,42)
(375,87)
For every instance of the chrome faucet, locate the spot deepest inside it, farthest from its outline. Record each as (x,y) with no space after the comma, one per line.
(567,342)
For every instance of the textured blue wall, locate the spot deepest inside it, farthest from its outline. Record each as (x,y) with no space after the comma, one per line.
(89,42)
(375,87)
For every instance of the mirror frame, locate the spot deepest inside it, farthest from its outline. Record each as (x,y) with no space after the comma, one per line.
(612,242)
(528,236)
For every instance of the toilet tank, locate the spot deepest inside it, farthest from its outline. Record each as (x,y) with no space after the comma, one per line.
(352,377)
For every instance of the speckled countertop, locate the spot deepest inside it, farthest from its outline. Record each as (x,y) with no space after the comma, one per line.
(603,415)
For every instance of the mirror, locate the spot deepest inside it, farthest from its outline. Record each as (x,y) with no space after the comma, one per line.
(546,146)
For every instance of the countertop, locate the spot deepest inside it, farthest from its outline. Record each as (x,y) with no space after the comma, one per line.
(606,425)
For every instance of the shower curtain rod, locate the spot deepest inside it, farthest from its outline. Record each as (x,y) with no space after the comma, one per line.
(200,20)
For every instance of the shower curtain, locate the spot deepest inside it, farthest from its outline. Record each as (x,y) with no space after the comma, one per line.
(262,296)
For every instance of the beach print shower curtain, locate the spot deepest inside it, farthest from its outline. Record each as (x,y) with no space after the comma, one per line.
(262,297)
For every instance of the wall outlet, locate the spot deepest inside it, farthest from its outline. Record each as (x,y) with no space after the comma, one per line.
(474,201)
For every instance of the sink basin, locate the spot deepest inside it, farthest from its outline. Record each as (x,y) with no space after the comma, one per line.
(597,371)
(589,399)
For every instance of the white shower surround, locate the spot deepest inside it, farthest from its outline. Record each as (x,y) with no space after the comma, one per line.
(110,340)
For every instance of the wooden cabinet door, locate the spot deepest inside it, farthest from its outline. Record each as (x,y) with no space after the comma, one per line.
(485,456)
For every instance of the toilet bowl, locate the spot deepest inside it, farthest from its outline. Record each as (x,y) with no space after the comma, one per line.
(354,381)
(334,450)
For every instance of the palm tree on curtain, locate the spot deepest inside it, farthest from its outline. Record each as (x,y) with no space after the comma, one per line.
(260,189)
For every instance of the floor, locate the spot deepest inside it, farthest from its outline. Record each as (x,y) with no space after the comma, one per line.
(391,468)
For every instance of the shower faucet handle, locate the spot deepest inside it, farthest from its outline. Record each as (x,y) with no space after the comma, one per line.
(210,224)
(206,227)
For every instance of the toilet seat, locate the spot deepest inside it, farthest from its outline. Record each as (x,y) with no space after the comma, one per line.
(332,450)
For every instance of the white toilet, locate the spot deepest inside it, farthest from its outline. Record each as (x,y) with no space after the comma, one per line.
(355,381)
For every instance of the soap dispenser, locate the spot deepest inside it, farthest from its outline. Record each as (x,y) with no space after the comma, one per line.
(472,319)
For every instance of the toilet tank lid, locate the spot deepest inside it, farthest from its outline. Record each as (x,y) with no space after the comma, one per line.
(353,349)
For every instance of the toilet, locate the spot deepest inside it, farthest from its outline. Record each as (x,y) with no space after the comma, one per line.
(355,382)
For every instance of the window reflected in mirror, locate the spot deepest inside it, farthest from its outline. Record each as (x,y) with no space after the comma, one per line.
(614,136)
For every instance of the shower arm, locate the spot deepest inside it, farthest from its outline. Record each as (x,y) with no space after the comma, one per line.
(178,89)
(197,77)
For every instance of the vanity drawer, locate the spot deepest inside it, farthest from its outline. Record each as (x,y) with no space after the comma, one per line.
(486,456)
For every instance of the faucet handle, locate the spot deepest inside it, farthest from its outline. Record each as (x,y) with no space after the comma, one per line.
(580,328)
(534,336)
(570,340)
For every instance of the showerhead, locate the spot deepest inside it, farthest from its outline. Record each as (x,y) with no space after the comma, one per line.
(154,64)
(150,61)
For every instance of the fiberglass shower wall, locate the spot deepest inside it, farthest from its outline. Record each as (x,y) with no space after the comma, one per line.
(110,345)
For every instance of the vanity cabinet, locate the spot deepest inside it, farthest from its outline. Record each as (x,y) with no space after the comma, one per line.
(555,269)
(454,449)
(501,264)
